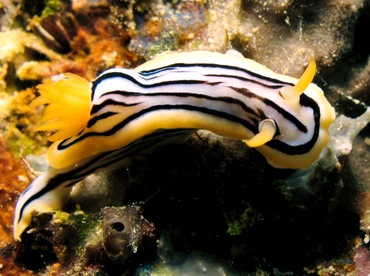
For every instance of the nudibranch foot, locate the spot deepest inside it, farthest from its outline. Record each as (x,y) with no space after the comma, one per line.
(40,197)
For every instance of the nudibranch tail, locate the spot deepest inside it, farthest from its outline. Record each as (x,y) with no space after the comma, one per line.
(267,130)
(293,93)
(41,196)
(69,104)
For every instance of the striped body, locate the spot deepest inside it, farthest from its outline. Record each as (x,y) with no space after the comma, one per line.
(164,101)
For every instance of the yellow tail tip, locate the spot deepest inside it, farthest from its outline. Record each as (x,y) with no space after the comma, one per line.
(68,97)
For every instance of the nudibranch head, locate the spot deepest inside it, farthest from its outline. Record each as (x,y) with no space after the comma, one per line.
(271,143)
(68,98)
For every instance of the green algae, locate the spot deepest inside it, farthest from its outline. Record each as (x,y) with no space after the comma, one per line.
(20,144)
(52,7)
(239,223)
(79,220)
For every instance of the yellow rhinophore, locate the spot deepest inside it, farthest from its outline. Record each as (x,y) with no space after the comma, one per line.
(292,94)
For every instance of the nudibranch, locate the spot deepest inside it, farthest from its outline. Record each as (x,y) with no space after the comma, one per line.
(123,113)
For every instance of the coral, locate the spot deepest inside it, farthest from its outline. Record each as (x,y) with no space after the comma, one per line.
(362,260)
(18,120)
(168,28)
(111,238)
(14,50)
(124,229)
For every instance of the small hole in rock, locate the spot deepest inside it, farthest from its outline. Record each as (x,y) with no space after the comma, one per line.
(118,226)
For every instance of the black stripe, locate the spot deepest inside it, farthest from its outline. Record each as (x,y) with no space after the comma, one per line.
(95,119)
(304,148)
(174,66)
(227,100)
(109,75)
(224,99)
(107,102)
(275,86)
(64,144)
(273,105)
(154,72)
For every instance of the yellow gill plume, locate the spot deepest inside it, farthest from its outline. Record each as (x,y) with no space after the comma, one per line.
(68,97)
